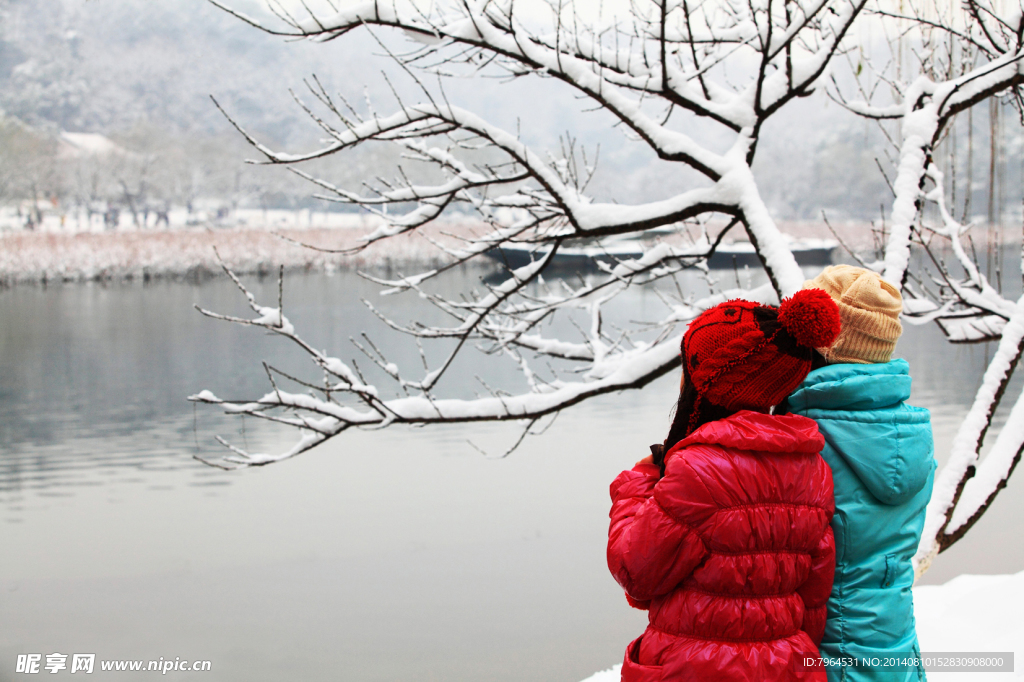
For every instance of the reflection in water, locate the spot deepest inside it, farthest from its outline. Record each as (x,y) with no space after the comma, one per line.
(393,555)
(94,378)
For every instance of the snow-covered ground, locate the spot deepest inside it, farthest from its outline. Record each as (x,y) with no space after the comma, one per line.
(971,613)
(77,219)
(78,247)
(68,255)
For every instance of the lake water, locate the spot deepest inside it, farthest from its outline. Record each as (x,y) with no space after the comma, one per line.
(403,554)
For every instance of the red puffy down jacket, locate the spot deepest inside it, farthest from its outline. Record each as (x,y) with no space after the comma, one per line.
(731,552)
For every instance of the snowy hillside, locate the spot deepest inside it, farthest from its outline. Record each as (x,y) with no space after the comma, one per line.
(120,66)
(971,613)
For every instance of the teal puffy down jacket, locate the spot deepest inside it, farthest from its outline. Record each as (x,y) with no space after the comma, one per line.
(882,459)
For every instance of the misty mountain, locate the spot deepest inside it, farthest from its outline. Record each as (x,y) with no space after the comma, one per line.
(105,65)
(119,67)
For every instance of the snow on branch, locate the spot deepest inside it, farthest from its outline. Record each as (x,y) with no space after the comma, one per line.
(971,310)
(324,412)
(655,68)
(978,62)
(641,67)
(947,520)
(506,318)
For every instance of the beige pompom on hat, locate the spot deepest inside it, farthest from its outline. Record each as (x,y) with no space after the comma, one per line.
(869,308)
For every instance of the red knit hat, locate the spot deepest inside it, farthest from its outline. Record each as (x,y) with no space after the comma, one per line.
(747,356)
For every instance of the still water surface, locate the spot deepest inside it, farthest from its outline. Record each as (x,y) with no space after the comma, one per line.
(395,555)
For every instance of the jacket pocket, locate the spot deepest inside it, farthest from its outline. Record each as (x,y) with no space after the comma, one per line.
(890,570)
(632,671)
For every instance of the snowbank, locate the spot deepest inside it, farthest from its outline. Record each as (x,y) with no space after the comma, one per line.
(970,613)
(973,613)
(610,675)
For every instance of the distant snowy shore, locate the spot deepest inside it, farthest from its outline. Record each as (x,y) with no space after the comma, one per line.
(83,248)
(969,614)
(188,252)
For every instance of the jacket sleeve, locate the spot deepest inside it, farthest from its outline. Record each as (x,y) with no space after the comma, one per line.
(818,586)
(649,552)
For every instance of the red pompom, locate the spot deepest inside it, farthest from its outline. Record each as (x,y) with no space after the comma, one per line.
(811,317)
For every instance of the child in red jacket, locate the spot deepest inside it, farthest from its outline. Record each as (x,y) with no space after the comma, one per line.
(723,535)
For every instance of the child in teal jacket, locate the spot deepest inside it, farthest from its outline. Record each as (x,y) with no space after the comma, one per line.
(881,454)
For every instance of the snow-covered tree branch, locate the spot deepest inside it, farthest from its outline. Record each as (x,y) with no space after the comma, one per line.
(665,71)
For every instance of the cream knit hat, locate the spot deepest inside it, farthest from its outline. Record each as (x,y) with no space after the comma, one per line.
(869,308)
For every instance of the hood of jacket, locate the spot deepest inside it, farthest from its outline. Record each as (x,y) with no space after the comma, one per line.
(861,411)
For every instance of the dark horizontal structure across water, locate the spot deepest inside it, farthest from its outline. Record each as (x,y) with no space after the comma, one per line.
(814,252)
